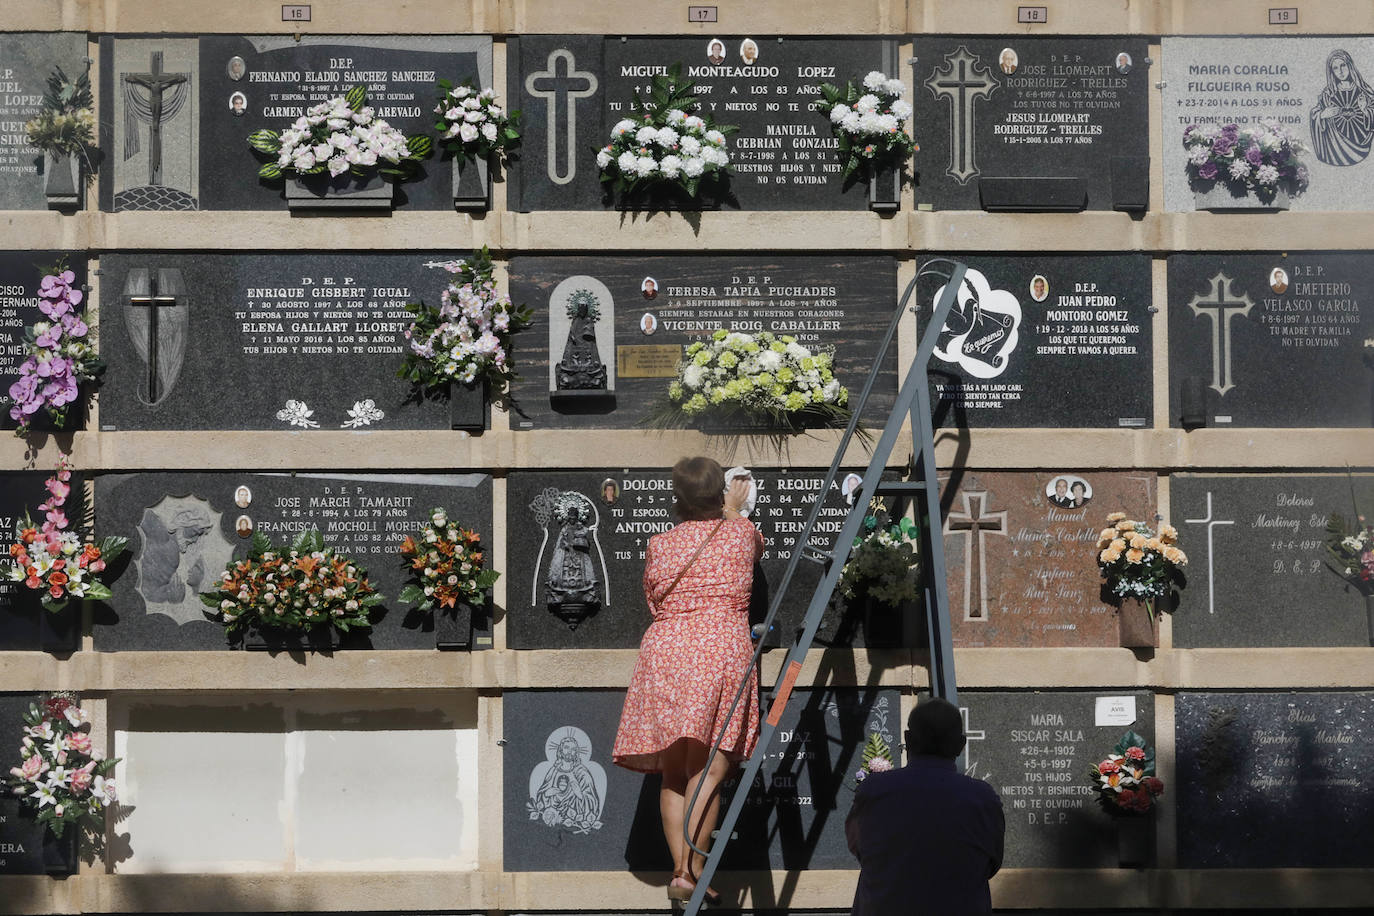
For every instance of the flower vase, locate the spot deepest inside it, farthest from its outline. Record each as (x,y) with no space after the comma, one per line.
(62,181)
(888,626)
(1369,616)
(1220,198)
(61,855)
(471,183)
(341,192)
(467,406)
(1134,840)
(1139,628)
(884,188)
(59,632)
(276,639)
(453,627)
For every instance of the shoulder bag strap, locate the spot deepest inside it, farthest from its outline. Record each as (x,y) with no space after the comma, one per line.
(700,548)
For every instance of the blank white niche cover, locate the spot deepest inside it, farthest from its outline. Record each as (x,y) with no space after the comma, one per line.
(313,784)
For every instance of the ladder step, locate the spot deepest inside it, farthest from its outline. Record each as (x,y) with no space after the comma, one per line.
(816,555)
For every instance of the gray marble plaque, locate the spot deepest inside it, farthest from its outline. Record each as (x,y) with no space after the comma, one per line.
(184,527)
(1257,571)
(1292,80)
(568,808)
(1274,780)
(28,60)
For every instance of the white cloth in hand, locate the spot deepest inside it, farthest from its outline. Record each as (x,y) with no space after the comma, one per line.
(738,471)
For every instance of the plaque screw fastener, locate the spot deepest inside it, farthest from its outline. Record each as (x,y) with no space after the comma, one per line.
(500,742)
(1153,310)
(1149,60)
(1161,84)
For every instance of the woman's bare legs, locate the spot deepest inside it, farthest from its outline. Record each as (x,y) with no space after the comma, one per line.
(706,812)
(672,802)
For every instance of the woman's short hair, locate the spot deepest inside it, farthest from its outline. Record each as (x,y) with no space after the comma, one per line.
(698,488)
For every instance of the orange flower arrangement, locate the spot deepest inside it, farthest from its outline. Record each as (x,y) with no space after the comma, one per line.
(445,561)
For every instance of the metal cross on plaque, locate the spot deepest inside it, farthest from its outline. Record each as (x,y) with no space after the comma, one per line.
(976,522)
(1220,306)
(156,326)
(155,110)
(560,86)
(962,82)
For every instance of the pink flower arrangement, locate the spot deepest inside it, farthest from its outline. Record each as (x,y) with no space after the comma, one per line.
(1125,781)
(877,758)
(58,357)
(51,559)
(63,779)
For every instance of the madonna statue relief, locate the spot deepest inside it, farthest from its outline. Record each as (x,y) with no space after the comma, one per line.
(1343,118)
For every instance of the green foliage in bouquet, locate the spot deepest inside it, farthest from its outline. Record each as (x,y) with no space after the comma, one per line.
(66,119)
(883,561)
(1125,780)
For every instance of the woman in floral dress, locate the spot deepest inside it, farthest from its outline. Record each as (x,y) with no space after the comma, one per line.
(697,580)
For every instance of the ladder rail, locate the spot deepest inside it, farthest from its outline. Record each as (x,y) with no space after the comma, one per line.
(913,402)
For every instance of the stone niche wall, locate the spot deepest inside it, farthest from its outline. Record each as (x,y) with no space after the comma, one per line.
(1150,355)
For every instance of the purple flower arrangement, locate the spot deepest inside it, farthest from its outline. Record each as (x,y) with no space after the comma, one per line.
(58,355)
(1262,159)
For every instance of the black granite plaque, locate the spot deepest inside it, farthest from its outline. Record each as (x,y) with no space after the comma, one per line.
(1053,115)
(1257,569)
(1274,780)
(184,527)
(21,272)
(604,818)
(784,156)
(1271,340)
(287,342)
(628,507)
(24,622)
(21,839)
(212,92)
(653,307)
(1044,341)
(29,59)
(1035,749)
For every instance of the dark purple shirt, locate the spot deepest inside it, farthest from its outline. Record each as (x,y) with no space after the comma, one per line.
(927,838)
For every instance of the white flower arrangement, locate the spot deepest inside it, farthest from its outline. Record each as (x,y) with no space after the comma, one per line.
(665,141)
(472,124)
(340,135)
(869,121)
(763,377)
(63,778)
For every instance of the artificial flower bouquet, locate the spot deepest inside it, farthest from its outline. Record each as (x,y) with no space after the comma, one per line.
(292,588)
(471,124)
(468,335)
(1137,562)
(1350,548)
(50,558)
(1125,782)
(877,758)
(664,141)
(445,562)
(883,561)
(868,121)
(58,357)
(1261,159)
(342,134)
(62,778)
(65,124)
(757,377)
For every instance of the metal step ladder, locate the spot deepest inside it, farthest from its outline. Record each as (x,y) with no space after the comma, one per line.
(913,401)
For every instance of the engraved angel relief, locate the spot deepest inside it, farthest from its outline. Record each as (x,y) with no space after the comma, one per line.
(181,552)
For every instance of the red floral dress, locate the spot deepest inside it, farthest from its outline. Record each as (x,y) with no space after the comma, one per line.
(697,650)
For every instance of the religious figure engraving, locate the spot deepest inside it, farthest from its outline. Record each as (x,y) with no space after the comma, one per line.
(560,86)
(983,328)
(1342,121)
(581,367)
(962,81)
(568,790)
(1221,305)
(153,98)
(181,553)
(574,592)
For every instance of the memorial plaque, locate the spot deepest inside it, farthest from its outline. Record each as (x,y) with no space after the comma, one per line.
(1317,88)
(24,623)
(246,341)
(184,527)
(21,272)
(784,157)
(626,508)
(29,59)
(1257,568)
(1274,780)
(568,808)
(1036,749)
(1036,341)
(1271,340)
(1063,120)
(178,112)
(650,304)
(1021,557)
(21,838)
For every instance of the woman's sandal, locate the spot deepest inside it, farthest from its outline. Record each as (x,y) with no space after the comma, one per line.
(682,887)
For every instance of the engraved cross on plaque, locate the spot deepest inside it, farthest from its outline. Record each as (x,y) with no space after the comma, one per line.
(156,82)
(560,86)
(978,735)
(1221,306)
(962,82)
(976,522)
(149,293)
